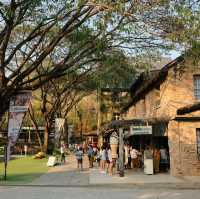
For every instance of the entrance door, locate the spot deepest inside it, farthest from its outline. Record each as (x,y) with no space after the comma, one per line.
(161,142)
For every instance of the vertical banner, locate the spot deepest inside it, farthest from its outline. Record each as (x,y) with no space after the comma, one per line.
(59,130)
(70,133)
(18,107)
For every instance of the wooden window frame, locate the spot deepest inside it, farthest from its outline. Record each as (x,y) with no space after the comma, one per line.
(196,88)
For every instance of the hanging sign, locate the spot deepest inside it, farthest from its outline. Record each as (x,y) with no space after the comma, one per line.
(140,130)
(18,106)
(59,130)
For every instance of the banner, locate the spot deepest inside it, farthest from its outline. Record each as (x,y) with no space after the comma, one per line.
(59,130)
(18,106)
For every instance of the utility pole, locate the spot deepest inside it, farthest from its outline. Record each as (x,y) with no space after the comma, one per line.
(100,137)
(81,123)
(121,152)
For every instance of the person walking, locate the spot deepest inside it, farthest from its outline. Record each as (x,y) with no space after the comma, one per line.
(25,150)
(103,159)
(62,152)
(79,158)
(90,153)
(109,161)
(156,159)
(98,157)
(129,158)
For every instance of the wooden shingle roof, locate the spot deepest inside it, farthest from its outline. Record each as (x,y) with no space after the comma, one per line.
(148,81)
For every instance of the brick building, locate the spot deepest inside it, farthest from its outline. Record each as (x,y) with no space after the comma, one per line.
(158,97)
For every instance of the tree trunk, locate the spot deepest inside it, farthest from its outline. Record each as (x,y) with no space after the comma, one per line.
(66,132)
(46,137)
(3,108)
(35,125)
(1,118)
(38,136)
(5,94)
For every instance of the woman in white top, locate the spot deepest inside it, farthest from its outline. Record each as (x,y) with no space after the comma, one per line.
(109,161)
(102,158)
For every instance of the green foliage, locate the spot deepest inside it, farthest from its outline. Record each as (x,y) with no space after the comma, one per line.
(187,23)
(115,72)
(103,108)
(77,39)
(194,53)
(56,152)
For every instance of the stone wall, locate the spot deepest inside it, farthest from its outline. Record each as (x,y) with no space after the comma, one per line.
(183,148)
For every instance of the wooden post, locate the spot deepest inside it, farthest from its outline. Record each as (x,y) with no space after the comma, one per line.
(121,152)
(99,117)
(6,151)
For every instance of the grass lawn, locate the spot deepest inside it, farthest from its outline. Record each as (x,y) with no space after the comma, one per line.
(23,170)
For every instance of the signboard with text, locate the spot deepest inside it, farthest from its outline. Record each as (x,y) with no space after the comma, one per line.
(18,107)
(140,130)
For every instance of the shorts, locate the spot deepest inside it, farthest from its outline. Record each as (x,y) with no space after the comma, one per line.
(80,161)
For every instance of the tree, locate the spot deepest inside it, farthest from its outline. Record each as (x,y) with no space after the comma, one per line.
(58,97)
(65,34)
(187,36)
(185,26)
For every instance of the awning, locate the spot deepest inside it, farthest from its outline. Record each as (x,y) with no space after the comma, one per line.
(158,127)
(115,124)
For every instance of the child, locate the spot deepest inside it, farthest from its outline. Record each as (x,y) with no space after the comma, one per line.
(79,157)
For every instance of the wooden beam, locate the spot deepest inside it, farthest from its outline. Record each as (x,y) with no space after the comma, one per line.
(187,119)
(188,109)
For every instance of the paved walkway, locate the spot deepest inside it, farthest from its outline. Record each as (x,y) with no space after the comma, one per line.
(69,175)
(134,177)
(65,175)
(138,178)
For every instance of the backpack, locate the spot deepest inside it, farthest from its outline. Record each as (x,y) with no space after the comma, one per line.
(79,155)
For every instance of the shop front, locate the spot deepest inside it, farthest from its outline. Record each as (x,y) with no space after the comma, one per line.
(142,145)
(154,138)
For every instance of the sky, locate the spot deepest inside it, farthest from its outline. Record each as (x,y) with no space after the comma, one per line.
(173,54)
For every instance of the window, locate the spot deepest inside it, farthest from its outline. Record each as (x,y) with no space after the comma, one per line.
(198,143)
(197,87)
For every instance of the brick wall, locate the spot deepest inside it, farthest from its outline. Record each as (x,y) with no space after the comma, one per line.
(183,148)
(175,92)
